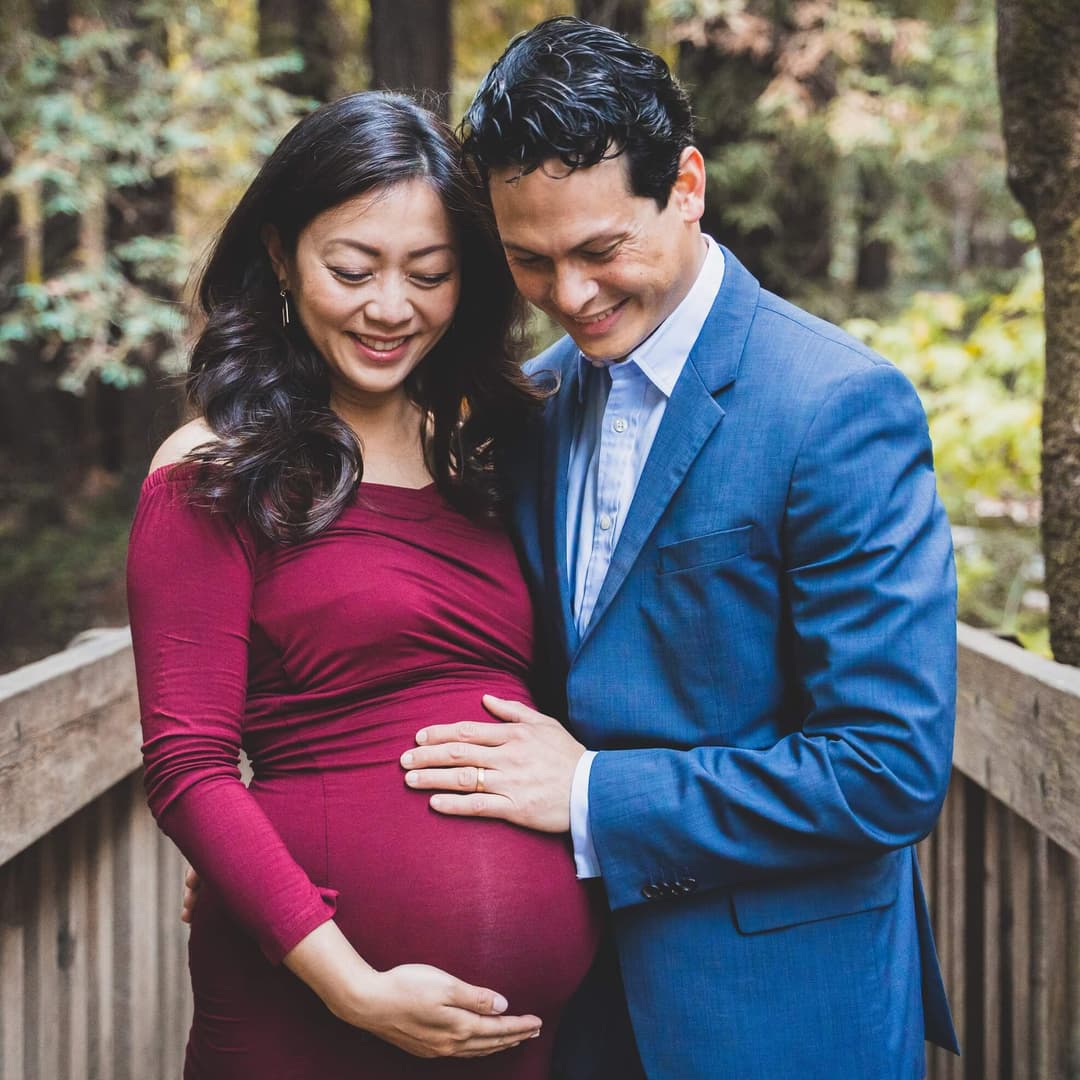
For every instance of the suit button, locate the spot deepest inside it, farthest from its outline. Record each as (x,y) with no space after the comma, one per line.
(651,892)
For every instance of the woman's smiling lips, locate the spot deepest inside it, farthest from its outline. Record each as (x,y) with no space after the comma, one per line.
(381,350)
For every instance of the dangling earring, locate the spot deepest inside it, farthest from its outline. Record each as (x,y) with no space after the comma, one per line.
(284,293)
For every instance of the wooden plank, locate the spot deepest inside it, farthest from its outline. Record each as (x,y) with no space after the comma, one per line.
(12,969)
(172,936)
(971,1023)
(69,730)
(123,938)
(1057,953)
(943,882)
(75,967)
(956,912)
(47,962)
(1017,727)
(1042,939)
(1072,967)
(993,939)
(103,899)
(1018,945)
(145,1011)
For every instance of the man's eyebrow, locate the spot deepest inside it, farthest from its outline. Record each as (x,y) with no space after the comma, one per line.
(605,239)
(375,252)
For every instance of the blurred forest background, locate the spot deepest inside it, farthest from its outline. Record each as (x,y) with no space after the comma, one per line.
(856,164)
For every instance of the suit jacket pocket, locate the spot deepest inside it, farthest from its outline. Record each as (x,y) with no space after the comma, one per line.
(713,547)
(825,895)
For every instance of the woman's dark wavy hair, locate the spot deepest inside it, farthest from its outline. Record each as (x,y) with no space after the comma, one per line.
(581,93)
(283,459)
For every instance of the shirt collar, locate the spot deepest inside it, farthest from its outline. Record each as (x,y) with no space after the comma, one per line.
(661,356)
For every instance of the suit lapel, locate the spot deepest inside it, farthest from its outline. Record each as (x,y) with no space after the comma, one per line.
(691,416)
(562,417)
(689,420)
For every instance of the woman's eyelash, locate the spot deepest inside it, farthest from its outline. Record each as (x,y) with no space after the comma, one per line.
(356,276)
(350,275)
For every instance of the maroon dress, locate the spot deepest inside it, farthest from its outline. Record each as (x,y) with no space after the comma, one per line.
(323,660)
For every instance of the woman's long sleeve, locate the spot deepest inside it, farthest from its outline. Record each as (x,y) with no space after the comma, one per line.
(190,579)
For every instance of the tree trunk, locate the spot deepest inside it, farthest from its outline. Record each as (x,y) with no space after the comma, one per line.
(626,16)
(1039,78)
(410,47)
(308,26)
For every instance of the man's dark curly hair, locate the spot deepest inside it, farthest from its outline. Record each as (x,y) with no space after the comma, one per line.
(581,93)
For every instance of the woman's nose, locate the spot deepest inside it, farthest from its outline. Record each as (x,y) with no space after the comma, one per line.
(389,304)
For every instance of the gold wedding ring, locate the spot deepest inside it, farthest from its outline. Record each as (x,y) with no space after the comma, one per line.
(480,778)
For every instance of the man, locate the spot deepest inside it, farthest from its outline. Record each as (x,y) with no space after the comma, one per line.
(730,518)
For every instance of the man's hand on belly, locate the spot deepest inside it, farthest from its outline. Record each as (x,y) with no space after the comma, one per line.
(520,771)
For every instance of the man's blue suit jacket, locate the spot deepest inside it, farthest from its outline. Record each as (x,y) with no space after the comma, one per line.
(771,663)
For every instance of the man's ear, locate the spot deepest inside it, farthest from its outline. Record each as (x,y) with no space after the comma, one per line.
(688,192)
(272,242)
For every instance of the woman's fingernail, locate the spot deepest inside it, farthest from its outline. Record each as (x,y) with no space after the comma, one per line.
(500,1004)
(406,759)
(421,736)
(410,778)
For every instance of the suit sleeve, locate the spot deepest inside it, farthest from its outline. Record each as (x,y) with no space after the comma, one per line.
(869,587)
(189,597)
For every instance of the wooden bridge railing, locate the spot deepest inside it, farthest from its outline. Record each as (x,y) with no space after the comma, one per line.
(93,959)
(93,974)
(1003,867)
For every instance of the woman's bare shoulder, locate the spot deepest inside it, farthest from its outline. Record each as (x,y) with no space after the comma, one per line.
(181,442)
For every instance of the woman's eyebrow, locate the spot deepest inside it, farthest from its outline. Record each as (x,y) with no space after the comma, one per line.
(367,249)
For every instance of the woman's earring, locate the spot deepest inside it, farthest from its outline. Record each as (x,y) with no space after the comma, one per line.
(284,306)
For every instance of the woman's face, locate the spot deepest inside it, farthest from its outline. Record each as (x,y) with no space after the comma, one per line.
(375,281)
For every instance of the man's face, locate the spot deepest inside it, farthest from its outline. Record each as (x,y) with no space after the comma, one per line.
(607,265)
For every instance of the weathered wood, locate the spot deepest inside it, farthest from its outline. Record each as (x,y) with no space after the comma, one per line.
(102,920)
(1072,969)
(12,968)
(1056,960)
(69,730)
(993,1005)
(94,976)
(1018,947)
(1017,730)
(74,958)
(1041,940)
(84,933)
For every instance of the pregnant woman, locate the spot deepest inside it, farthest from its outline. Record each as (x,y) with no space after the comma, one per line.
(317,570)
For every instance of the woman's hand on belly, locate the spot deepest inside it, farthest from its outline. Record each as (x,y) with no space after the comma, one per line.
(418,1008)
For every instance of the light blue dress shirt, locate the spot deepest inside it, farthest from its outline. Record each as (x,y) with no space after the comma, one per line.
(621,406)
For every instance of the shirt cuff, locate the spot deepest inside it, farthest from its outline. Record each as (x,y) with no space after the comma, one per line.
(585,860)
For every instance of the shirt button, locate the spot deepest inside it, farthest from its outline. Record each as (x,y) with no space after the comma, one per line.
(605,521)
(619,425)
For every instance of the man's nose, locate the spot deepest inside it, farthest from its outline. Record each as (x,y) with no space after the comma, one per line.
(572,289)
(389,304)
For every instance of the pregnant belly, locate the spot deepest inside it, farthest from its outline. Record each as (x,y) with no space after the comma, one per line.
(491,903)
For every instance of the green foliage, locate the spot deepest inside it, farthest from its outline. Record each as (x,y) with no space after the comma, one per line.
(830,126)
(106,123)
(978,366)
